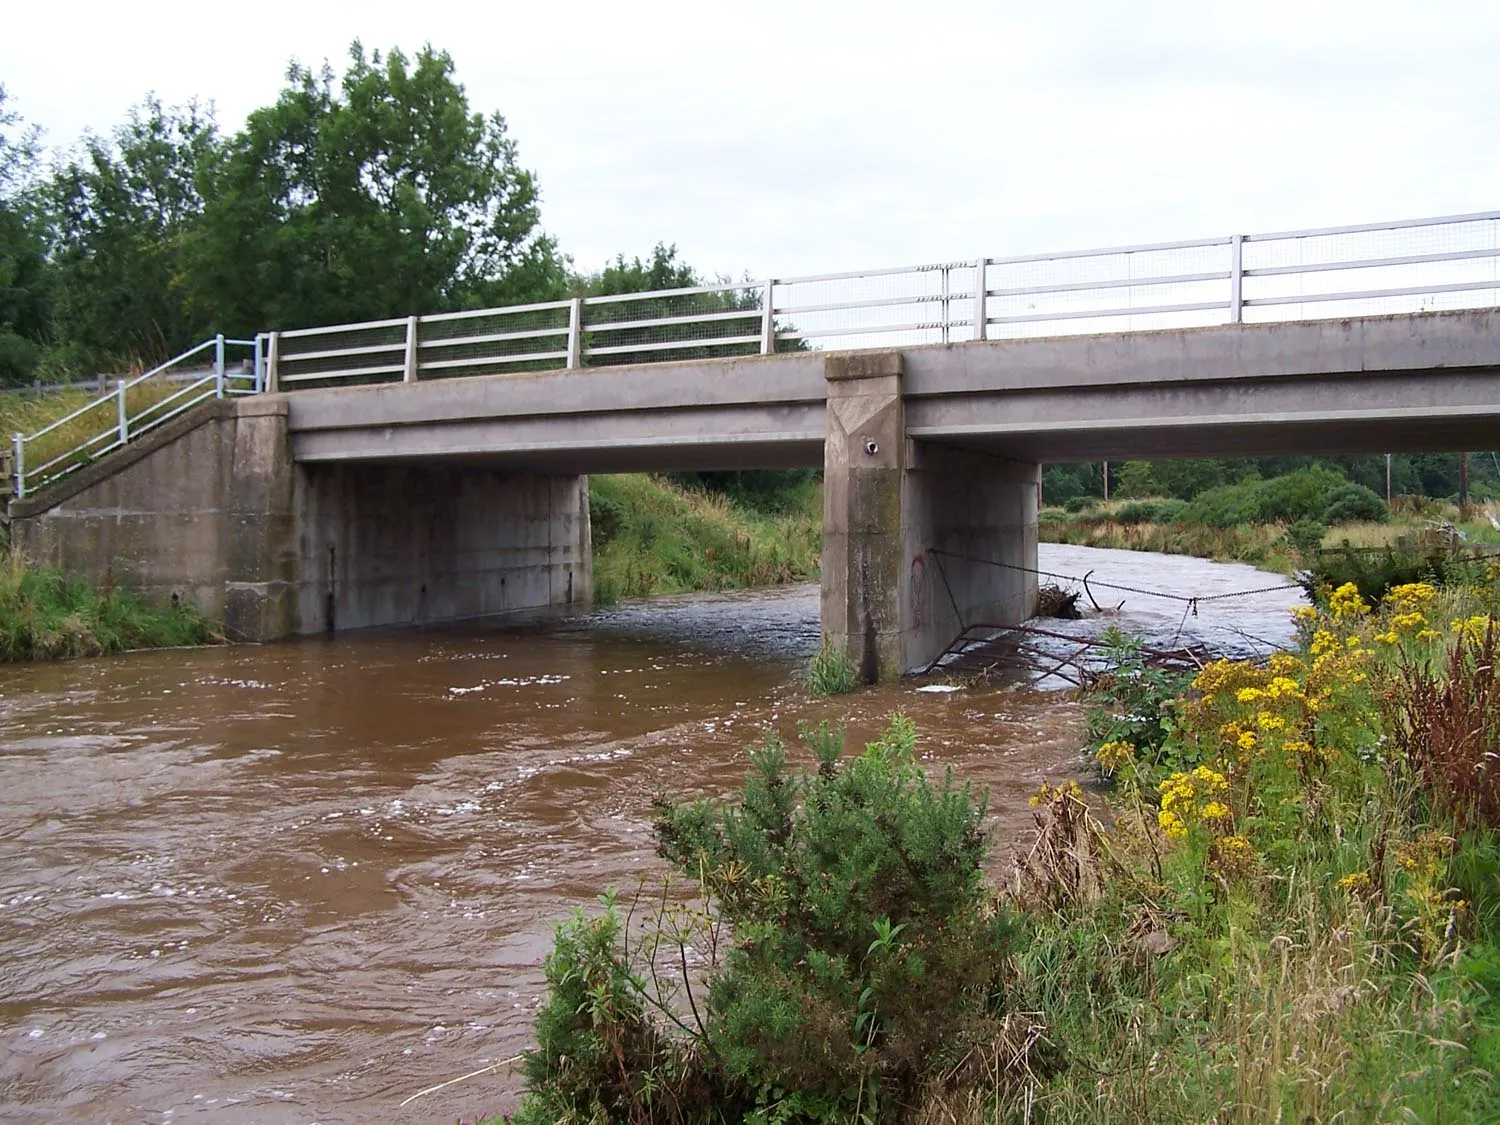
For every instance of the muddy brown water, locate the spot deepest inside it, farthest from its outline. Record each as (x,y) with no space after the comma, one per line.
(301,882)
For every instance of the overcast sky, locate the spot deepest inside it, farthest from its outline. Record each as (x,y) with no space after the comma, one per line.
(783,137)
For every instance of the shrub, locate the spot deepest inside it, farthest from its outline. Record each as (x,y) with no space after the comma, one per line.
(1227,506)
(1080,503)
(1306,537)
(1301,495)
(1052,515)
(1354,503)
(1151,511)
(1374,572)
(855,955)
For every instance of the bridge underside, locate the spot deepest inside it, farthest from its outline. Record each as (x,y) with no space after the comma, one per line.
(428,501)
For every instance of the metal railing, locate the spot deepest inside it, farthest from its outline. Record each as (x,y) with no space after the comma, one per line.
(134,407)
(1406,266)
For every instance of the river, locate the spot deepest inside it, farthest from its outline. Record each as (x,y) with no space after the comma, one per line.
(301,882)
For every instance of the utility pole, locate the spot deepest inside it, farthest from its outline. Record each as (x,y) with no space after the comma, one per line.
(1463,483)
(1387,480)
(1106,481)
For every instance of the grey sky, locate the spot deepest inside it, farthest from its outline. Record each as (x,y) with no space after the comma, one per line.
(782,138)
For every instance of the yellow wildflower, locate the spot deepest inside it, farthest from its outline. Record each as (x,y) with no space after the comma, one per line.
(1285,664)
(1472,628)
(1357,883)
(1172,825)
(1347,602)
(1413,597)
(1215,810)
(1269,720)
(1113,754)
(1233,857)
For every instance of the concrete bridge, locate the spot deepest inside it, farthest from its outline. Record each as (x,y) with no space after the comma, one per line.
(377,505)
(434,468)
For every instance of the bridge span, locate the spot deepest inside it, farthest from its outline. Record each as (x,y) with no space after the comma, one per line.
(363,485)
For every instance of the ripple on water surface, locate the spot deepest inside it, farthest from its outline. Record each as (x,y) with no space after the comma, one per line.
(303,881)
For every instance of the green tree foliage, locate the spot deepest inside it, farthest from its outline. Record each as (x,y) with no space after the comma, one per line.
(865,955)
(376,195)
(123,210)
(25,281)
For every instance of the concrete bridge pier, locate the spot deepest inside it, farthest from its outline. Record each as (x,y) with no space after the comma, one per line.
(919,540)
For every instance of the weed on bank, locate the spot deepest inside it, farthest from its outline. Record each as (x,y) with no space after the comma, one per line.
(1293,913)
(45,616)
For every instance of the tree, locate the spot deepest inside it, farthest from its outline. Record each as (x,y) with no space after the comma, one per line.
(122,212)
(379,196)
(25,281)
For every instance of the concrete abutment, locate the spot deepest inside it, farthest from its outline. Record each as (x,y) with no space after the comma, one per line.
(213,509)
(919,540)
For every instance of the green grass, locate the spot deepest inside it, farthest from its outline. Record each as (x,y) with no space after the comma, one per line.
(44,616)
(652,536)
(831,672)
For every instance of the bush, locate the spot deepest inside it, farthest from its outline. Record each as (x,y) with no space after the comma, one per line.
(1052,515)
(1229,505)
(1080,503)
(1315,493)
(1354,503)
(1375,572)
(1151,511)
(863,956)
(1306,537)
(1297,496)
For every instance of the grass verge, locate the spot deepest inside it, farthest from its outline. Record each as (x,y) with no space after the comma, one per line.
(45,616)
(652,536)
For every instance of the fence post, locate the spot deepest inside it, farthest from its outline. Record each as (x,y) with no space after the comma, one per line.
(768,320)
(120,414)
(946,307)
(1236,278)
(575,333)
(273,361)
(18,454)
(260,361)
(410,373)
(219,365)
(981,302)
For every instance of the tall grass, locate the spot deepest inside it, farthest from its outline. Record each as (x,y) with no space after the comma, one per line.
(831,672)
(652,536)
(45,616)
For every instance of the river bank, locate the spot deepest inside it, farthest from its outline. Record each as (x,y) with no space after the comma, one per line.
(1278,546)
(46,616)
(1289,913)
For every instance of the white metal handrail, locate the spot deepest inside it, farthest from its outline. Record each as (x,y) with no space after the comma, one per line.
(1408,265)
(129,420)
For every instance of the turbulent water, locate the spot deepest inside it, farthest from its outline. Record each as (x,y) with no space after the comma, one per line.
(304,881)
